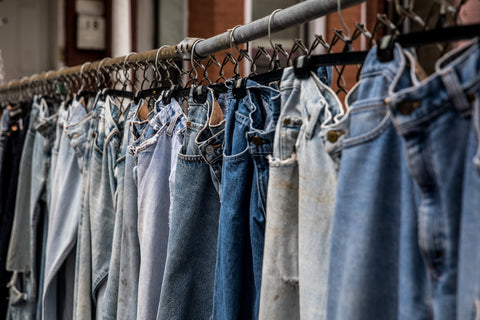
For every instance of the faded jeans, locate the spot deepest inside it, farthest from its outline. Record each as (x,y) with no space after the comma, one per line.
(300,203)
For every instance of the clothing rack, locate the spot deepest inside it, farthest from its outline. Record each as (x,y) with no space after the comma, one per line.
(296,14)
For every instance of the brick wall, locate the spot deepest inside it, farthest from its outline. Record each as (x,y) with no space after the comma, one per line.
(207,18)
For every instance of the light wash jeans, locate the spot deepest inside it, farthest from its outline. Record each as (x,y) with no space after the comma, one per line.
(66,192)
(110,301)
(130,246)
(435,120)
(376,269)
(157,158)
(300,211)
(98,213)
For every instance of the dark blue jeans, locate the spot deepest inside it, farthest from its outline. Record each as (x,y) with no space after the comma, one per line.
(187,290)
(249,133)
(14,126)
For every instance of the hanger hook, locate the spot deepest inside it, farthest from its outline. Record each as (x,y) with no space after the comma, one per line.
(192,60)
(339,10)
(270,18)
(156,60)
(232,39)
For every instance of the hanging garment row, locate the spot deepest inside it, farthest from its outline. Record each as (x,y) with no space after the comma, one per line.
(268,201)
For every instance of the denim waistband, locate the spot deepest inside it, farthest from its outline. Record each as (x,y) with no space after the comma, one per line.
(169,116)
(76,129)
(376,78)
(113,125)
(138,126)
(454,85)
(318,104)
(169,120)
(210,138)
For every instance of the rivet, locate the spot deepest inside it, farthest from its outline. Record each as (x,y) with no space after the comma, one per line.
(257,141)
(209,149)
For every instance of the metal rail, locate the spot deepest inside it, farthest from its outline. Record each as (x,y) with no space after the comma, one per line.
(294,15)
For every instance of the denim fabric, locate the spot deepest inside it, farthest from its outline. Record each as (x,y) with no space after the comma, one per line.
(249,135)
(156,158)
(378,273)
(67,157)
(97,215)
(308,107)
(187,290)
(434,118)
(110,302)
(130,246)
(14,126)
(82,308)
(4,219)
(213,135)
(294,289)
(31,210)
(468,298)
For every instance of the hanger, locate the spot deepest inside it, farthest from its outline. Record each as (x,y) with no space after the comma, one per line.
(154,92)
(387,43)
(122,93)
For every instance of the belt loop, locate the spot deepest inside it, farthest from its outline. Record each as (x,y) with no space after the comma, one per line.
(171,127)
(312,119)
(455,90)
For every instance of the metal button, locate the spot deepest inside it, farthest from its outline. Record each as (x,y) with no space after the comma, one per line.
(209,149)
(407,107)
(332,136)
(286,121)
(257,141)
(189,123)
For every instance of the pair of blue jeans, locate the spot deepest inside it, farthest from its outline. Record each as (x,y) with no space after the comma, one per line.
(249,132)
(130,246)
(26,251)
(438,120)
(300,201)
(97,217)
(65,204)
(14,125)
(187,289)
(156,162)
(376,268)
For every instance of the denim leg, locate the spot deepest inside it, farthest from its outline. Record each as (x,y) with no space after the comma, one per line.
(156,157)
(187,290)
(370,270)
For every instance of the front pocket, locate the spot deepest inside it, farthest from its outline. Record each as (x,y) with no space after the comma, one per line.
(366,124)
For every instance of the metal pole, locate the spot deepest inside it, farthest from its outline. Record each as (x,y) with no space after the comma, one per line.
(294,15)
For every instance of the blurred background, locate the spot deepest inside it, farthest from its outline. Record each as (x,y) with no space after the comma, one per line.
(40,35)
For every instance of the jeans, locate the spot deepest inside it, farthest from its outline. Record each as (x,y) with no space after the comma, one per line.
(130,246)
(250,127)
(156,157)
(67,166)
(187,290)
(435,120)
(31,210)
(374,251)
(300,211)
(110,302)
(98,212)
(14,126)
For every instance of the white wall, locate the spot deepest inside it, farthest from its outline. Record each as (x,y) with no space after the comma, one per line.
(121,26)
